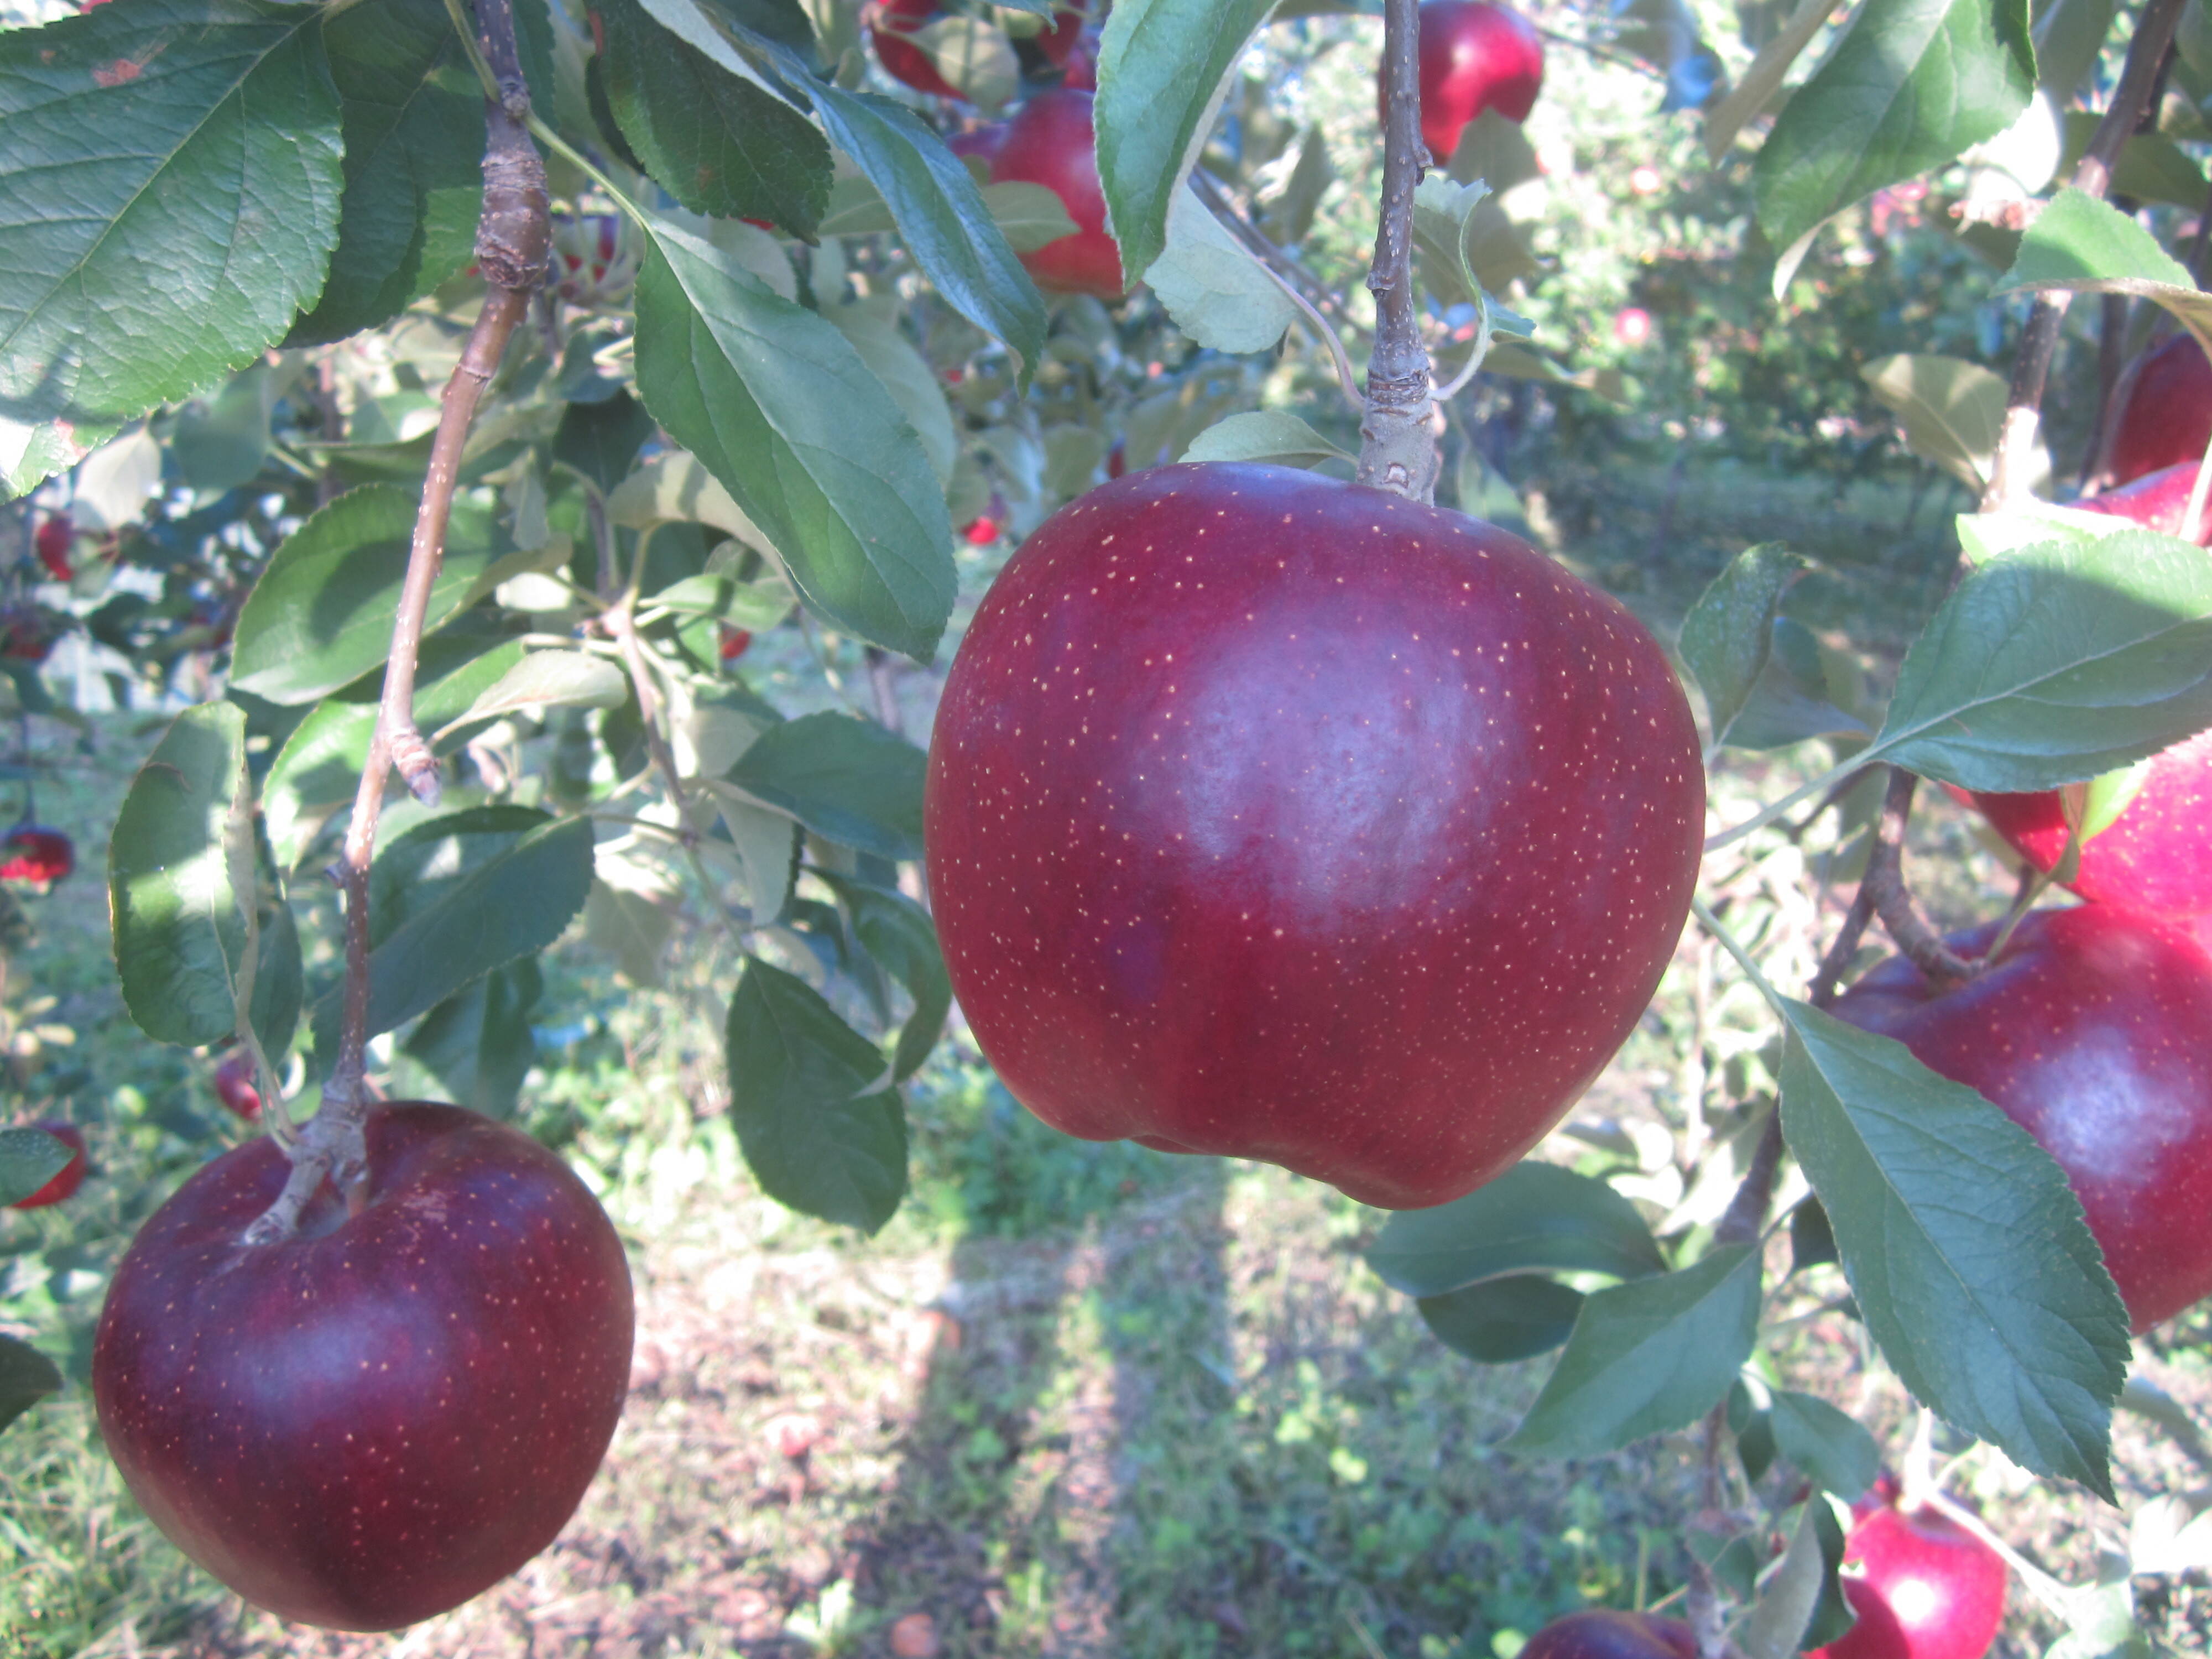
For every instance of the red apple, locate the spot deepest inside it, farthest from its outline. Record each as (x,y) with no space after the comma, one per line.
(1272,816)
(1058,43)
(376,1420)
(2089,1032)
(1602,1634)
(1049,142)
(735,643)
(903,60)
(68,1178)
(1080,65)
(1925,1588)
(2157,501)
(1475,56)
(52,545)
(982,532)
(34,853)
(2168,415)
(234,1085)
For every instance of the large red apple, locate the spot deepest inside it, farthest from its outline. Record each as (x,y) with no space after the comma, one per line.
(1050,142)
(1475,56)
(1277,817)
(67,1179)
(1603,1633)
(2089,1032)
(373,1421)
(1925,1588)
(2168,415)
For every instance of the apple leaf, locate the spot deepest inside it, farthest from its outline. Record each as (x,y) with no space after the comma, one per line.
(1649,1356)
(180,937)
(2069,38)
(846,779)
(416,870)
(477,1043)
(941,216)
(788,418)
(719,142)
(754,605)
(170,176)
(514,902)
(1274,436)
(598,441)
(1964,1245)
(817,1129)
(2100,1623)
(1162,68)
(1502,1319)
(413,123)
(1748,98)
(2055,663)
(1217,292)
(320,616)
(1911,85)
(1789,1603)
(1833,1449)
(29,1158)
(27,1376)
(548,679)
(899,934)
(1730,632)
(1952,412)
(1536,1218)
(2079,243)
(630,927)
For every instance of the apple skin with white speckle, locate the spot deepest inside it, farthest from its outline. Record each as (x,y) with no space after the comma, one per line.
(1280,817)
(2089,1032)
(379,1417)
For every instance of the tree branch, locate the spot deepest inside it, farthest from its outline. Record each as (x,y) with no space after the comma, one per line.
(1892,901)
(1398,445)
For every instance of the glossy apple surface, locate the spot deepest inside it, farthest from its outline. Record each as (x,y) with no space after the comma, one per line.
(1603,1633)
(1049,142)
(68,1178)
(234,1085)
(379,1417)
(1475,56)
(2157,501)
(903,60)
(2090,1032)
(1924,1588)
(35,853)
(2168,415)
(1280,817)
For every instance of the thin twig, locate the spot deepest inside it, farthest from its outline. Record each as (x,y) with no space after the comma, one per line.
(1398,447)
(1893,899)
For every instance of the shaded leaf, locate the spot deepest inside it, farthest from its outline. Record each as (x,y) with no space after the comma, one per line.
(845,779)
(1831,1448)
(548,679)
(1271,435)
(1952,412)
(477,1043)
(1536,1218)
(1218,293)
(899,934)
(1503,1320)
(29,1158)
(27,1376)
(1730,632)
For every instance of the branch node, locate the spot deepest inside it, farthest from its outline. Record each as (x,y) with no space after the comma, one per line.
(416,764)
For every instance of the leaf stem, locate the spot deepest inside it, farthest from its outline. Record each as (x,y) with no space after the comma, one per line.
(513,233)
(1397,439)
(1779,809)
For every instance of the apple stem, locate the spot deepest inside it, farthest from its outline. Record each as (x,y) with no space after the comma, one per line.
(1398,436)
(514,235)
(2093,175)
(1893,899)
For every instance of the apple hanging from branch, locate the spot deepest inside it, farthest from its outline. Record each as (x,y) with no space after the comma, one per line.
(1050,140)
(2168,417)
(1920,1585)
(1475,55)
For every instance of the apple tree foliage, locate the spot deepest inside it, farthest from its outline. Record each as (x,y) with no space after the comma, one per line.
(789,351)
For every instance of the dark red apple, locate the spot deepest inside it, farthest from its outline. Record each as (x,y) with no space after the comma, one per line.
(893,22)
(1049,142)
(2167,418)
(1058,43)
(2089,1032)
(1276,816)
(34,853)
(376,1420)
(1079,64)
(1925,1588)
(1603,1633)
(735,643)
(68,1178)
(2157,501)
(234,1085)
(1475,56)
(52,545)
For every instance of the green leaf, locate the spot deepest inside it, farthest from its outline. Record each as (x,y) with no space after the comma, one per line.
(2069,38)
(973,56)
(631,928)
(1777,1624)
(222,443)
(1729,633)
(27,1376)
(1162,68)
(1216,291)
(1646,1357)
(1831,1448)
(1536,1218)
(548,679)
(29,1158)
(513,903)
(2101,1624)
(753,605)
(2055,663)
(413,115)
(600,440)
(1913,84)
(421,868)
(785,414)
(845,779)
(320,616)
(2081,244)
(899,934)
(1289,215)
(1751,96)
(1503,1320)
(2148,169)
(477,1043)
(941,217)
(872,325)
(718,143)
(169,187)
(1271,435)
(1953,411)
(179,936)
(1466,243)
(816,1130)
(1964,1245)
